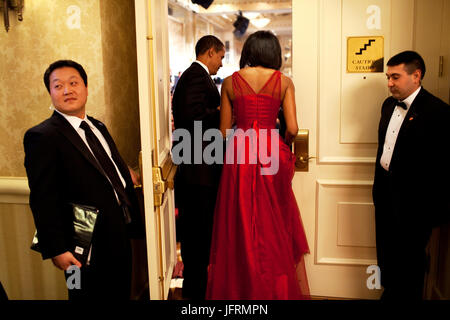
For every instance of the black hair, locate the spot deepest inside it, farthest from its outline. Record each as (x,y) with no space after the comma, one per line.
(61,64)
(261,48)
(411,59)
(207,42)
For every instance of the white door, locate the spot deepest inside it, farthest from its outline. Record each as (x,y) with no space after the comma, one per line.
(154,108)
(341,110)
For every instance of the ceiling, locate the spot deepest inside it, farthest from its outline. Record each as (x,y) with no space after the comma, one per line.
(222,13)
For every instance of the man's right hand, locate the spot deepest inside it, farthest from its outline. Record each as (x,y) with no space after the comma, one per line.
(65,260)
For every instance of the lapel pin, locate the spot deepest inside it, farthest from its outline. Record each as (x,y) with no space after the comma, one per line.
(411,118)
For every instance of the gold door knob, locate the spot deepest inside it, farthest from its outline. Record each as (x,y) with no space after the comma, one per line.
(301,150)
(305,159)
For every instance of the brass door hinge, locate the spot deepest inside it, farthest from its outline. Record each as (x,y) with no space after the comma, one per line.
(163,179)
(159,186)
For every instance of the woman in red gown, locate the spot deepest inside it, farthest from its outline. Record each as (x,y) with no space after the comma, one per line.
(258,241)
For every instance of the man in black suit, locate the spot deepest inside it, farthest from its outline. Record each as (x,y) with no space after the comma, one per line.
(410,191)
(71,158)
(196,98)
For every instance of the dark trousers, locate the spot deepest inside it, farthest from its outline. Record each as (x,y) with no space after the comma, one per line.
(104,280)
(401,238)
(196,213)
(408,284)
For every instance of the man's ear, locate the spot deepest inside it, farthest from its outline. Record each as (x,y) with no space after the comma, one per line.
(417,74)
(211,52)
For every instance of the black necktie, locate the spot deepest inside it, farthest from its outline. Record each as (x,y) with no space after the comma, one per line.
(108,167)
(401,105)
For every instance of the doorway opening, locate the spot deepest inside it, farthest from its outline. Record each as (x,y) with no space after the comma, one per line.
(232,22)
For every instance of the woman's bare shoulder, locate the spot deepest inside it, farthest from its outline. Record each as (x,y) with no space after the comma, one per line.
(287,81)
(227,86)
(227,82)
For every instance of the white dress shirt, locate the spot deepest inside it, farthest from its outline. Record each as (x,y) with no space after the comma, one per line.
(393,129)
(203,65)
(75,122)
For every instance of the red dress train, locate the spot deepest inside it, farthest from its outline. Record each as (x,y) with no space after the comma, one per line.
(258,240)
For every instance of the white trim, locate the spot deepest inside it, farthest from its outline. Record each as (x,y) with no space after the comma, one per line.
(349,262)
(347,160)
(336,182)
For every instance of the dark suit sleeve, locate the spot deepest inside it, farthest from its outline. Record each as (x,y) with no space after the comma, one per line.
(41,163)
(194,103)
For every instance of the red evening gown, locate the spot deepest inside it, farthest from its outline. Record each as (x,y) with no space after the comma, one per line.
(258,240)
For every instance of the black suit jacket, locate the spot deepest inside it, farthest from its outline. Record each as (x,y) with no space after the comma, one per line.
(61,170)
(196,98)
(416,187)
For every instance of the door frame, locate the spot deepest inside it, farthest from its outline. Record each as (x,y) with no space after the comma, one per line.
(159,219)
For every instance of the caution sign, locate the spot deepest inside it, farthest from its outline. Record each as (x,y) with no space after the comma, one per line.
(365,54)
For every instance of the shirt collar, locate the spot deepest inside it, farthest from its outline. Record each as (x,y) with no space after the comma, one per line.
(408,101)
(203,65)
(74,121)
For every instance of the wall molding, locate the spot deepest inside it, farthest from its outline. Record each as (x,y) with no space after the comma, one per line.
(346,160)
(338,182)
(345,261)
(14,190)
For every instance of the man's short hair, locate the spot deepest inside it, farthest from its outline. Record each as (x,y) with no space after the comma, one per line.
(61,64)
(207,42)
(411,59)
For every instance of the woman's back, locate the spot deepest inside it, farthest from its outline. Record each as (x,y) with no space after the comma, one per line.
(256,98)
(257,77)
(257,93)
